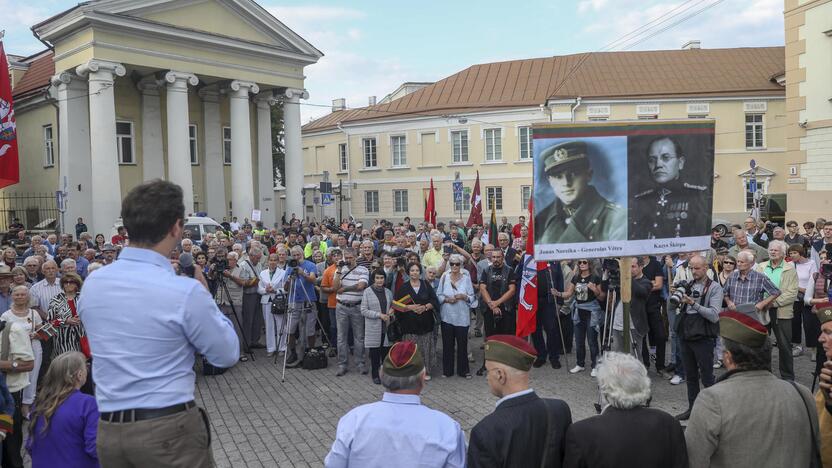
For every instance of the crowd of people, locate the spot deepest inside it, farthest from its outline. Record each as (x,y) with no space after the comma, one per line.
(358,290)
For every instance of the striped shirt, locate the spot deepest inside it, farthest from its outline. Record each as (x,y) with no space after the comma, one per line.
(45,292)
(350,277)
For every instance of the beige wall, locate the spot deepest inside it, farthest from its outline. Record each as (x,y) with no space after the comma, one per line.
(34,176)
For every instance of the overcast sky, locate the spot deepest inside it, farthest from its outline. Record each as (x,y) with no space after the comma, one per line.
(371,47)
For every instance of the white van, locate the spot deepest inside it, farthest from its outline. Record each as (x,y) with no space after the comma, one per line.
(198,226)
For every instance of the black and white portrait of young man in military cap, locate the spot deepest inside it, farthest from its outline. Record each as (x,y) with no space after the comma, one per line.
(669,196)
(576,180)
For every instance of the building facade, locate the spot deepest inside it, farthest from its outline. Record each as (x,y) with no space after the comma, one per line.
(181,90)
(479,120)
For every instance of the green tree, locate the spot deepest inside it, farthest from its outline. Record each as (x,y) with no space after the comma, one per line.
(278,147)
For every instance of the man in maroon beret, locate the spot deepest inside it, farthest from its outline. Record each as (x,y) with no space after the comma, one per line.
(524,430)
(398,431)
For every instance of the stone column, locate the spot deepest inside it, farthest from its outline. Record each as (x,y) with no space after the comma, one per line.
(179,156)
(75,174)
(265,167)
(242,180)
(214,172)
(293,178)
(153,161)
(106,191)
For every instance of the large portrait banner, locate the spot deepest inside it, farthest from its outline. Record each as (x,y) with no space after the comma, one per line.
(610,189)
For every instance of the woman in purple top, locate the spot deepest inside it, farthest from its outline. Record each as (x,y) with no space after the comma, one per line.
(64,420)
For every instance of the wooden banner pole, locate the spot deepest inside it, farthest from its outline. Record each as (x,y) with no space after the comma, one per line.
(626,295)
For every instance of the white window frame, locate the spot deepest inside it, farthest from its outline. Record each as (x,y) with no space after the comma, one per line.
(464,144)
(343,159)
(493,144)
(498,198)
(119,143)
(368,195)
(752,126)
(525,197)
(400,201)
(48,146)
(398,151)
(193,144)
(370,151)
(226,155)
(524,132)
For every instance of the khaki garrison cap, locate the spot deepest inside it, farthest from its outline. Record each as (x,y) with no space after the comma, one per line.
(562,155)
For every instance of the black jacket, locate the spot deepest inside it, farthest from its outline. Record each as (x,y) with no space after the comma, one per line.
(515,434)
(638,304)
(638,438)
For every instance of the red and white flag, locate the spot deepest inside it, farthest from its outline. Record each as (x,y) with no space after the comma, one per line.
(527,307)
(9,170)
(476,205)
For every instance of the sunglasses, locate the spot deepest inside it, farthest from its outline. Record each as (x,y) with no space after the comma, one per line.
(456,264)
(728,263)
(583,262)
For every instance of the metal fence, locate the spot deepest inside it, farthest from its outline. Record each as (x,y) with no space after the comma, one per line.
(36,211)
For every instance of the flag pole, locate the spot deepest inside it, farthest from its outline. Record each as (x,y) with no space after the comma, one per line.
(557,317)
(626,296)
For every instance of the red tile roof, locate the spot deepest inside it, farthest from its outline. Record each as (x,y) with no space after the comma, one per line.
(41,69)
(601,75)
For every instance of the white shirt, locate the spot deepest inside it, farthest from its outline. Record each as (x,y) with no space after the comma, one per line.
(235,226)
(276,281)
(513,395)
(20,349)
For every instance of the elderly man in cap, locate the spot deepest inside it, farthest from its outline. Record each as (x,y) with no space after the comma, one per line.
(749,416)
(524,430)
(579,213)
(398,431)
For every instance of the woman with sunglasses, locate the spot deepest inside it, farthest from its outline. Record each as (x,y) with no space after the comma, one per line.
(587,313)
(456,298)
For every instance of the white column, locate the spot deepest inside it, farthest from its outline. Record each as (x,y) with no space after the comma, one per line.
(153,161)
(179,156)
(242,180)
(106,191)
(74,148)
(214,167)
(265,167)
(293,178)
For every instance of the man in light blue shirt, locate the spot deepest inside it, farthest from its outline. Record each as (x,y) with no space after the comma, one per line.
(398,430)
(144,325)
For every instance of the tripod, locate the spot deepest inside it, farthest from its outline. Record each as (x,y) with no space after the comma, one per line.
(224,288)
(607,335)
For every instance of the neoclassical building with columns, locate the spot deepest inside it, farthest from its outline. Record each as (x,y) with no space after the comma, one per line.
(133,90)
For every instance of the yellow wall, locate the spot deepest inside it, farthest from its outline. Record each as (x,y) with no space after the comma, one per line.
(34,177)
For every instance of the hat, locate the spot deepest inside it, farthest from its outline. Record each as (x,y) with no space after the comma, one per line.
(559,156)
(824,311)
(108,248)
(5,271)
(510,350)
(722,251)
(403,360)
(742,328)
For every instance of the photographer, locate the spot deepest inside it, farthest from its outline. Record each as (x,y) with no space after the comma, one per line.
(349,283)
(301,303)
(231,297)
(697,325)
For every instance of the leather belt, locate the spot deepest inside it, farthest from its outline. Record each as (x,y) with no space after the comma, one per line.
(133,415)
(349,304)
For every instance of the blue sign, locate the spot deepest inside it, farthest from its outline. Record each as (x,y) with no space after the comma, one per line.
(752,185)
(458,191)
(327,199)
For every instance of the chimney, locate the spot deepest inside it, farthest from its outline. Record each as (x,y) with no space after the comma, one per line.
(694,44)
(339,104)
(371,101)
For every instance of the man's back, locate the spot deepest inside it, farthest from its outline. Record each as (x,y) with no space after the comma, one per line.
(144,325)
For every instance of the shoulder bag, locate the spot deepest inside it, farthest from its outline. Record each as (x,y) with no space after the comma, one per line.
(815,460)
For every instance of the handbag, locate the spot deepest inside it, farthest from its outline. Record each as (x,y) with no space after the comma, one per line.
(815,460)
(278,303)
(315,358)
(394,331)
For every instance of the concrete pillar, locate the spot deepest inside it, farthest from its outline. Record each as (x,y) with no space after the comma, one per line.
(153,161)
(242,180)
(179,157)
(293,178)
(265,168)
(215,204)
(75,174)
(106,191)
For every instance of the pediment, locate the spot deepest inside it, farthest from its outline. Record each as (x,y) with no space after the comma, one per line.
(761,172)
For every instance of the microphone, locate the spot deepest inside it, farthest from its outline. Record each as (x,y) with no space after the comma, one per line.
(186,264)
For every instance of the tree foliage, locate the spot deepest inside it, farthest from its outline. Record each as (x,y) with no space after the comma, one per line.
(278,146)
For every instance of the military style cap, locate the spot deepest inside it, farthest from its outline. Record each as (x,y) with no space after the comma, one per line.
(403,360)
(564,154)
(824,311)
(741,328)
(510,350)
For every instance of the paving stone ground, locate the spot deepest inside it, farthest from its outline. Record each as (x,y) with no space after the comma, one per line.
(259,421)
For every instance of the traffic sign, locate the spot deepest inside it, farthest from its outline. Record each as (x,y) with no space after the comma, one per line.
(458,191)
(327,199)
(752,185)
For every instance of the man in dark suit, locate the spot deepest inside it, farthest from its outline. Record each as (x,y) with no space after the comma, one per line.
(627,433)
(525,430)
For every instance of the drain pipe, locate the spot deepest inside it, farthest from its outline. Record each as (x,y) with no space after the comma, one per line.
(575,107)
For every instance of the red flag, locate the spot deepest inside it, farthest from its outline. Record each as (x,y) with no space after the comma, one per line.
(9,170)
(476,205)
(527,307)
(430,209)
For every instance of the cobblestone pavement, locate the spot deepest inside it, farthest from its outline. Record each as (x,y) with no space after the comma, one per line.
(259,421)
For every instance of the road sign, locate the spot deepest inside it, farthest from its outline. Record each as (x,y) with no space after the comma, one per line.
(327,199)
(326,187)
(752,185)
(458,191)
(753,164)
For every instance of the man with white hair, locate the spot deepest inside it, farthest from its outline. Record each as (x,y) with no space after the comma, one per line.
(781,310)
(625,433)
(747,290)
(68,265)
(433,256)
(32,266)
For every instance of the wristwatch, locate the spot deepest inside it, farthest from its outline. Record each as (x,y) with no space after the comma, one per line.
(14,364)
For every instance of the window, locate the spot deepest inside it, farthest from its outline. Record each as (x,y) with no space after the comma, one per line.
(371,201)
(400,201)
(464,205)
(370,155)
(124,141)
(749,196)
(525,142)
(493,144)
(226,146)
(494,195)
(48,147)
(754,131)
(459,141)
(398,150)
(525,196)
(342,157)
(192,146)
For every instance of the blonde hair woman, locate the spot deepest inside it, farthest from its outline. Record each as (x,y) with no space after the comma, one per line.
(64,420)
(21,311)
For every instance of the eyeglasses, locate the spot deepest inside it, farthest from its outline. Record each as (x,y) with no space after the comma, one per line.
(728,263)
(583,262)
(456,264)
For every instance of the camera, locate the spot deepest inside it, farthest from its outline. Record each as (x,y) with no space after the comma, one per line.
(683,288)
(448,249)
(293,263)
(341,264)
(219,264)
(613,270)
